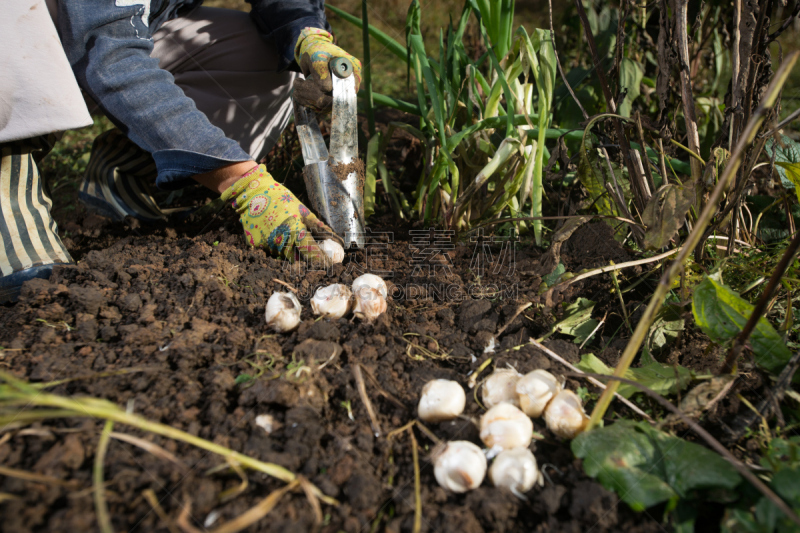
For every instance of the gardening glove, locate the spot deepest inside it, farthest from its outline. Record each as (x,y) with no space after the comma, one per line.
(313,51)
(273,218)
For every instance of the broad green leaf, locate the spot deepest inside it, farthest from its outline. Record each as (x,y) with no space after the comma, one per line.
(663,379)
(666,327)
(630,78)
(578,321)
(645,466)
(785,151)
(721,314)
(665,213)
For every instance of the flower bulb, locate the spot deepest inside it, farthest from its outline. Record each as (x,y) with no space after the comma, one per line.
(460,466)
(333,301)
(501,386)
(441,400)
(535,389)
(370,292)
(565,416)
(504,427)
(283,311)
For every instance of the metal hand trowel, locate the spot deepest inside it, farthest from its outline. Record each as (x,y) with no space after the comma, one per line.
(335,179)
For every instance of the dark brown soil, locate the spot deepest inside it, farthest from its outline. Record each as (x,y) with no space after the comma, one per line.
(189,312)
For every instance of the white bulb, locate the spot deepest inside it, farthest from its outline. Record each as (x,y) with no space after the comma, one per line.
(501,386)
(460,466)
(535,389)
(333,301)
(504,427)
(515,470)
(441,400)
(333,250)
(565,416)
(283,311)
(370,292)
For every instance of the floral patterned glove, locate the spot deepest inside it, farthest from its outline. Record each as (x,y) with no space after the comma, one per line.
(313,51)
(273,218)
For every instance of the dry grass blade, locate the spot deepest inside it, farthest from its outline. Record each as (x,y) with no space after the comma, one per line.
(149,447)
(592,380)
(230,494)
(257,512)
(152,499)
(100,505)
(186,515)
(4,497)
(362,391)
(312,498)
(20,393)
(36,478)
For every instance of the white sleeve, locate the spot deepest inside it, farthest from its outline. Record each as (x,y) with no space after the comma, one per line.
(38,92)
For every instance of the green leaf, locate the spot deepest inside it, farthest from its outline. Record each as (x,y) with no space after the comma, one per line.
(645,466)
(630,78)
(665,213)
(660,378)
(551,278)
(787,151)
(721,313)
(666,327)
(791,173)
(578,321)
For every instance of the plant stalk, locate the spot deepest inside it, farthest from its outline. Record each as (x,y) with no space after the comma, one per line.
(694,237)
(367,69)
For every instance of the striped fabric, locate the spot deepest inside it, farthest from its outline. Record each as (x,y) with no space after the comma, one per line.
(28,234)
(117,180)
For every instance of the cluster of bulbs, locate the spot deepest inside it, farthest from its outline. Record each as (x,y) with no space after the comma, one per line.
(506,428)
(366,299)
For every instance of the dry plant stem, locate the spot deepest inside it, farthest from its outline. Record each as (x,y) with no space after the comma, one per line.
(95,408)
(362,391)
(694,237)
(612,107)
(714,443)
(761,305)
(36,478)
(611,268)
(276,280)
(519,311)
(149,447)
(152,499)
(417,484)
(772,398)
(680,8)
(257,512)
(100,505)
(591,380)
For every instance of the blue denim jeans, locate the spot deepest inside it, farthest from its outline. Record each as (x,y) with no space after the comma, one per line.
(109,44)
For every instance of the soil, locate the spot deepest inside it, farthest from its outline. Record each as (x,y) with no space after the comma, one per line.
(184,308)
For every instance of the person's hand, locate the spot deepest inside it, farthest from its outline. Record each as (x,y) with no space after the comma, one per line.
(313,52)
(273,218)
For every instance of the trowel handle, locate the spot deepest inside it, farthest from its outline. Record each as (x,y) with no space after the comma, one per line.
(341,67)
